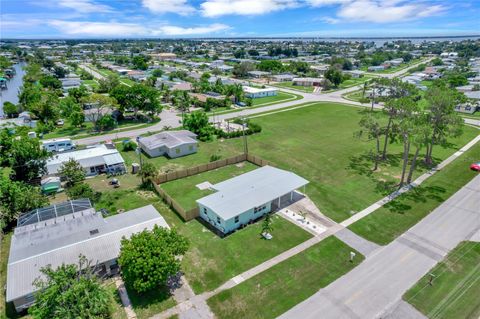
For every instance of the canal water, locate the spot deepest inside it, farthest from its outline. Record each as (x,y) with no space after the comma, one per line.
(13,87)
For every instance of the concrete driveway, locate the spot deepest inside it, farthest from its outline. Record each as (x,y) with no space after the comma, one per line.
(376,286)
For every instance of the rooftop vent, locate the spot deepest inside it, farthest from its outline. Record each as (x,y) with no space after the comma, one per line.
(93,232)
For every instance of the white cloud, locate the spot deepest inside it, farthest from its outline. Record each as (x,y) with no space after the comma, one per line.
(163,6)
(320,3)
(119,29)
(216,8)
(84,6)
(330,20)
(387,11)
(175,30)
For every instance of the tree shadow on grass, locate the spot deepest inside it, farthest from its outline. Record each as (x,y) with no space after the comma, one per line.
(401,204)
(147,299)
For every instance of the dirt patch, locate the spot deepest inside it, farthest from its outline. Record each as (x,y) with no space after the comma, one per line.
(146,194)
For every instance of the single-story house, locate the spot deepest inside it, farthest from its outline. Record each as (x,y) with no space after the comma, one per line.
(247,197)
(255,93)
(164,56)
(171,143)
(307,81)
(94,160)
(356,74)
(475,95)
(283,77)
(258,74)
(58,234)
(467,108)
(375,68)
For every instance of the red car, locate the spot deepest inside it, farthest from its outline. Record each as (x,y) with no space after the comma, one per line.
(475,167)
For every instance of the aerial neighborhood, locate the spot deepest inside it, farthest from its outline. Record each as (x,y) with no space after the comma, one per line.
(240,177)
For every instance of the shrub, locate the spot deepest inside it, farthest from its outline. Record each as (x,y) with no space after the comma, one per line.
(129,146)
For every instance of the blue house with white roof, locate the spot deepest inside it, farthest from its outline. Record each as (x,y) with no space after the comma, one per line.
(246,198)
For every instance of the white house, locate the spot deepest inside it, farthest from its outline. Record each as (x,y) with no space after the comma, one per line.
(247,197)
(307,81)
(94,160)
(255,93)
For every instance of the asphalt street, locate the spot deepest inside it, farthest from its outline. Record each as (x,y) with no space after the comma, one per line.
(373,288)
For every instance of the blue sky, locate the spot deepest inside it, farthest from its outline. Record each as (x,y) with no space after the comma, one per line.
(233,18)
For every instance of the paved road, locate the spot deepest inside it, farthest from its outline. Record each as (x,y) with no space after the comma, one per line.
(376,286)
(89,70)
(168,119)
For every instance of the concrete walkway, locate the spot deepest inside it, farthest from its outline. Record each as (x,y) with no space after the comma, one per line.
(376,286)
(127,305)
(367,211)
(360,244)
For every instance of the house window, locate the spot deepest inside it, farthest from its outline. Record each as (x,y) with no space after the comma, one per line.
(177,150)
(92,169)
(218,220)
(204,210)
(237,219)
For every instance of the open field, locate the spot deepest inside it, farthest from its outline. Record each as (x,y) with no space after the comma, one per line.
(388,222)
(289,85)
(281,96)
(274,291)
(185,193)
(456,288)
(317,142)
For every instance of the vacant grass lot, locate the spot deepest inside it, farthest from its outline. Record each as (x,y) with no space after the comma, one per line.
(186,193)
(289,85)
(281,96)
(456,289)
(317,142)
(274,291)
(388,222)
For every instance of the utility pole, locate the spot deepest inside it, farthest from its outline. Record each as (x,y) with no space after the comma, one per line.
(245,144)
(139,152)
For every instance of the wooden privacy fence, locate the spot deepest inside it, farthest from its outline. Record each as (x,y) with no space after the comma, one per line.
(186,214)
(171,176)
(167,177)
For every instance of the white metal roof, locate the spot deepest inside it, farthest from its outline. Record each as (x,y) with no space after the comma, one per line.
(91,156)
(249,190)
(63,242)
(252,90)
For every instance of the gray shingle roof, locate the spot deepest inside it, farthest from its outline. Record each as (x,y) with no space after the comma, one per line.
(249,190)
(168,138)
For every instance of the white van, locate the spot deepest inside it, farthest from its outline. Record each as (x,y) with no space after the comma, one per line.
(58,145)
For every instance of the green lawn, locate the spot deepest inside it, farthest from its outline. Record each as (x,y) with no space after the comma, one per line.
(92,83)
(455,292)
(317,142)
(224,149)
(355,96)
(396,68)
(355,81)
(274,291)
(281,96)
(116,304)
(388,222)
(289,85)
(186,193)
(150,303)
(210,260)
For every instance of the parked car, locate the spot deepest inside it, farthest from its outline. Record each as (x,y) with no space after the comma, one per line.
(475,167)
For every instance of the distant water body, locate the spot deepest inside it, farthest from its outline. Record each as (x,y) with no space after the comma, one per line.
(379,41)
(13,87)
